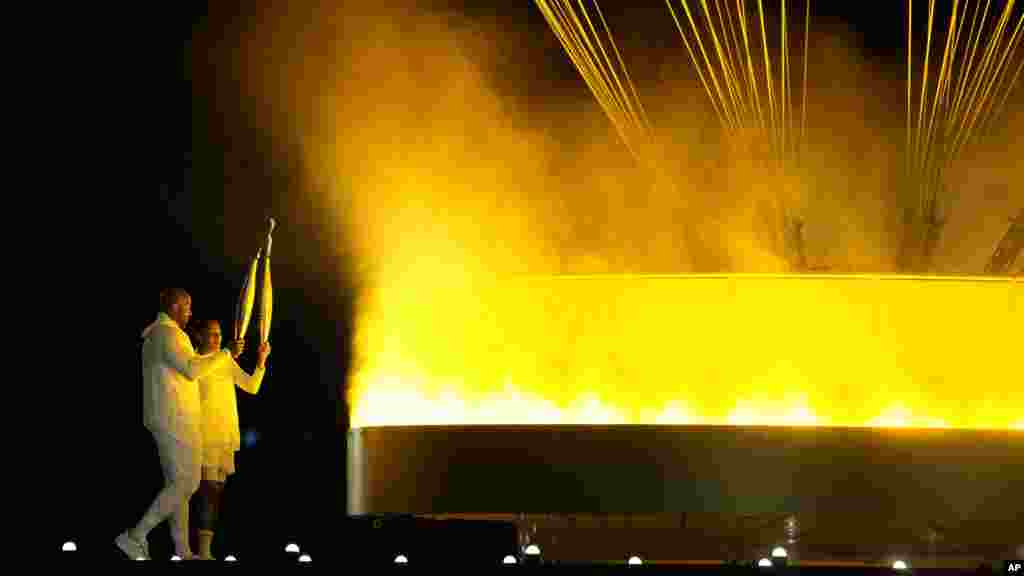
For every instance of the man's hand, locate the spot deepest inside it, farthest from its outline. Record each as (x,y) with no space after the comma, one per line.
(236,348)
(262,353)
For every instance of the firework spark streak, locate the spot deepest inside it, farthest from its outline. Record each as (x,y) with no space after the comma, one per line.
(608,79)
(956,110)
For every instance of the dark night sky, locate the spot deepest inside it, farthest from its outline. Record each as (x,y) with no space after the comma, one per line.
(193,154)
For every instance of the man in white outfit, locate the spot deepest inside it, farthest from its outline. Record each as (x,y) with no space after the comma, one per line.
(171,370)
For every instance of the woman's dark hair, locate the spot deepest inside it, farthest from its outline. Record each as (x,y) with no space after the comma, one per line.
(194,333)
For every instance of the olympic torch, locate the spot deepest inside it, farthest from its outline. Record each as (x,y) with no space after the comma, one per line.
(267,299)
(246,299)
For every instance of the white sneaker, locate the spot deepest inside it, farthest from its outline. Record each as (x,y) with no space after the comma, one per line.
(132,547)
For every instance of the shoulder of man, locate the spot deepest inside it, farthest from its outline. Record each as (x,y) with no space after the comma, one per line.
(165,333)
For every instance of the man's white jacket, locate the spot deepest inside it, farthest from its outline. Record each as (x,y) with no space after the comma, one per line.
(170,373)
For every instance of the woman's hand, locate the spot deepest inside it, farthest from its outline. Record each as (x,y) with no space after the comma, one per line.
(262,353)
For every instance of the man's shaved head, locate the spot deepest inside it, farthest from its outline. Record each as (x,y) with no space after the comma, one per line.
(176,303)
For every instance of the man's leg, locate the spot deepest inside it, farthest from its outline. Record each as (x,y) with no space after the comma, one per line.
(188,466)
(181,476)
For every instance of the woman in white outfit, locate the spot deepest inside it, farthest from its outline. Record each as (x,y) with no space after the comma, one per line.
(219,426)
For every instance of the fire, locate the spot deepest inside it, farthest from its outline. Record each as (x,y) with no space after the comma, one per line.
(441,183)
(871,351)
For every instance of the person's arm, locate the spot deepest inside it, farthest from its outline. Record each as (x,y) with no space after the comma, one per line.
(249,383)
(182,358)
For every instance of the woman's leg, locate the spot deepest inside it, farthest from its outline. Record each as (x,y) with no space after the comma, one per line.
(210,493)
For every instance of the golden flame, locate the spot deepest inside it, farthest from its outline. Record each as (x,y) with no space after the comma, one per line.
(435,160)
(738,350)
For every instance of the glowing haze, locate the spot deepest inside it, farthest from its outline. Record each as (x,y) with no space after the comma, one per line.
(459,197)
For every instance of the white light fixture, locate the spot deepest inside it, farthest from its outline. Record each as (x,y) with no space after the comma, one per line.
(634,561)
(140,559)
(779,552)
(510,559)
(175,558)
(899,565)
(305,558)
(292,548)
(401,559)
(532,550)
(764,563)
(69,547)
(230,559)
